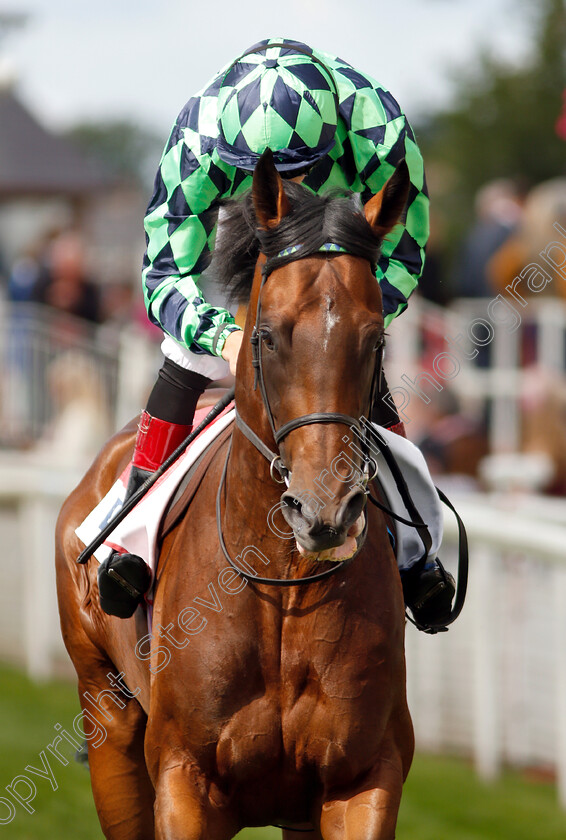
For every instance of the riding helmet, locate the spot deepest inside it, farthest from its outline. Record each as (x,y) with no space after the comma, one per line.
(280,97)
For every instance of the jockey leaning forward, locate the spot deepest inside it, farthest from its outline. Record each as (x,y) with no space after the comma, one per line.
(328,125)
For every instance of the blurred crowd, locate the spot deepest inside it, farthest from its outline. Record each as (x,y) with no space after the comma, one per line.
(508,250)
(514,248)
(60,345)
(55,271)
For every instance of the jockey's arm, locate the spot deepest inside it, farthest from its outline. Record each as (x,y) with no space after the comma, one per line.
(180,226)
(403,252)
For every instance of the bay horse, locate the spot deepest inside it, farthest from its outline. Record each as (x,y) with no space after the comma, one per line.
(261,704)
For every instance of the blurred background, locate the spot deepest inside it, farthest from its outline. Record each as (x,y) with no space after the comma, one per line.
(477,364)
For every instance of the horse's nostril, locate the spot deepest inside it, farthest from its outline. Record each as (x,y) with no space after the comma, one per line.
(293,509)
(351,509)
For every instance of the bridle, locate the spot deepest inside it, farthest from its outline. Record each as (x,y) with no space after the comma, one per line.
(274,457)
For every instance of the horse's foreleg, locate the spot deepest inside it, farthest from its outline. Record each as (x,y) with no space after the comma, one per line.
(185,807)
(123,793)
(370,814)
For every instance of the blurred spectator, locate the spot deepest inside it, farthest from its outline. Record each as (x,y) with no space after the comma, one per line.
(116,304)
(80,423)
(540,464)
(545,204)
(29,267)
(498,209)
(64,283)
(23,278)
(543,417)
(453,441)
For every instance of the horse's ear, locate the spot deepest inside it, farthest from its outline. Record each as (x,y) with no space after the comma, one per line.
(270,202)
(384,209)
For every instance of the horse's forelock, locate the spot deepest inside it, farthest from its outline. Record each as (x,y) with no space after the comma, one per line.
(313,221)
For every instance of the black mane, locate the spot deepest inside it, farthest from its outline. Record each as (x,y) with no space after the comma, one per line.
(314,220)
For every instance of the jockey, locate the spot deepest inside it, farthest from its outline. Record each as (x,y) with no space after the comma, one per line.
(328,125)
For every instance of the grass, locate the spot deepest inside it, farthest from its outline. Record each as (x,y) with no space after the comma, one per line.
(28,715)
(443,800)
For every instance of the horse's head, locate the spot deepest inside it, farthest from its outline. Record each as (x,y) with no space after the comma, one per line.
(314,335)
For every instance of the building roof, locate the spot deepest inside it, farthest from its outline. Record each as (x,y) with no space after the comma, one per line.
(35,161)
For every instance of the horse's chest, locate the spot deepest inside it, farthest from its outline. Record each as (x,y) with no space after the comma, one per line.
(308,719)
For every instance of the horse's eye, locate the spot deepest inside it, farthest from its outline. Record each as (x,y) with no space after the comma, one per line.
(379,344)
(266,338)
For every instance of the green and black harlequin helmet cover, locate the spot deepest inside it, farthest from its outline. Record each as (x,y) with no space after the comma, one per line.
(276,97)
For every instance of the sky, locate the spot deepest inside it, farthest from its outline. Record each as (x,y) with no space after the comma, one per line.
(79,60)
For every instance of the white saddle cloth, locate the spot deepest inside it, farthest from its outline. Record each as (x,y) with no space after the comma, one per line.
(139,530)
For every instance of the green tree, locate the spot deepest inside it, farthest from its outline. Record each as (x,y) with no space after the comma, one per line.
(503,120)
(128,151)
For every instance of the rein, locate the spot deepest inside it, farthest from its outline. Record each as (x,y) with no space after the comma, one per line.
(417,522)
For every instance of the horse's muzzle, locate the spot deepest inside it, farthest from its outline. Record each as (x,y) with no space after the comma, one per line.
(320,530)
